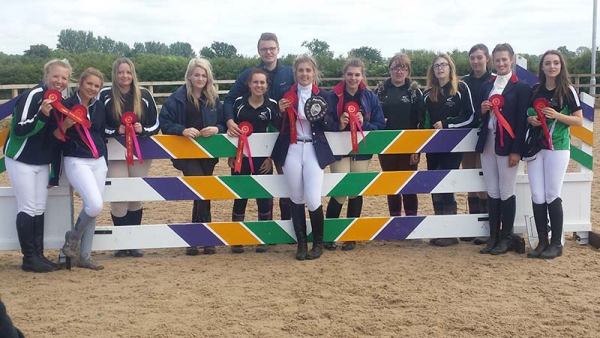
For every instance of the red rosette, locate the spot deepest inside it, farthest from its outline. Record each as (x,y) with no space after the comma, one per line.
(497,102)
(53,95)
(291,114)
(56,98)
(291,97)
(80,111)
(129,119)
(352,108)
(246,129)
(538,105)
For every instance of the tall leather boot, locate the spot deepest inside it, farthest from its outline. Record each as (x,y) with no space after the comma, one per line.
(261,248)
(299,222)
(354,211)
(237,218)
(555,211)
(494,221)
(38,231)
(206,217)
(334,208)
(449,208)
(473,203)
(438,209)
(120,221)
(135,218)
(540,216)
(25,230)
(285,208)
(317,222)
(193,250)
(508,209)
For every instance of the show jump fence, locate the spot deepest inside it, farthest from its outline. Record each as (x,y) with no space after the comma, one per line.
(576,191)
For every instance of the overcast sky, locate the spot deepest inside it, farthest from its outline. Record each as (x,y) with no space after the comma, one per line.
(530,26)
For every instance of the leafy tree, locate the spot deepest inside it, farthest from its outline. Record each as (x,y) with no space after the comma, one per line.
(208,53)
(138,48)
(365,53)
(317,47)
(42,51)
(182,49)
(76,41)
(565,51)
(158,48)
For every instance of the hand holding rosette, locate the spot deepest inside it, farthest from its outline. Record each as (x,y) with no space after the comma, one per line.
(129,119)
(246,129)
(80,112)
(352,108)
(56,98)
(497,102)
(291,114)
(538,105)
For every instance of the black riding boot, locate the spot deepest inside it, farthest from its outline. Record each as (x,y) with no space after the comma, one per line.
(237,218)
(120,221)
(540,216)
(135,218)
(354,210)
(25,230)
(299,221)
(38,230)
(494,221)
(267,216)
(555,211)
(507,214)
(334,208)
(317,222)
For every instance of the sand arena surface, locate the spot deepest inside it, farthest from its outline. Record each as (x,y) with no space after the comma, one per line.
(381,289)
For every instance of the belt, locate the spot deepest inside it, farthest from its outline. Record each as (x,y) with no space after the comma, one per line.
(305,141)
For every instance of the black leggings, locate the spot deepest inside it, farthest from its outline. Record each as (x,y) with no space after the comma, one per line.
(264,204)
(199,167)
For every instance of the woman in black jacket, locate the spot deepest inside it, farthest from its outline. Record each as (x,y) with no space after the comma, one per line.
(305,156)
(85,166)
(29,150)
(257,109)
(400,99)
(500,143)
(126,95)
(194,110)
(447,104)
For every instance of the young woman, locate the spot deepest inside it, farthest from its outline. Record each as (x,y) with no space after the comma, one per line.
(480,61)
(85,166)
(29,149)
(126,95)
(353,88)
(546,171)
(400,99)
(447,104)
(500,144)
(304,161)
(194,110)
(256,108)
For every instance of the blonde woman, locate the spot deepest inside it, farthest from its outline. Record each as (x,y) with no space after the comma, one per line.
(194,110)
(29,150)
(447,103)
(126,95)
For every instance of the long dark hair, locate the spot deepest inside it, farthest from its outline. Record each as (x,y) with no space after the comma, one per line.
(562,80)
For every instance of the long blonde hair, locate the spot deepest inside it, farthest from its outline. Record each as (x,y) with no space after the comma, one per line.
(358,63)
(118,98)
(434,84)
(209,91)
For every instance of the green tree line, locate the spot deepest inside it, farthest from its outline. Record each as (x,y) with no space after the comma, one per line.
(156,61)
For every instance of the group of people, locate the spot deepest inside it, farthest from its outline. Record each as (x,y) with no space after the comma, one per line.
(288,99)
